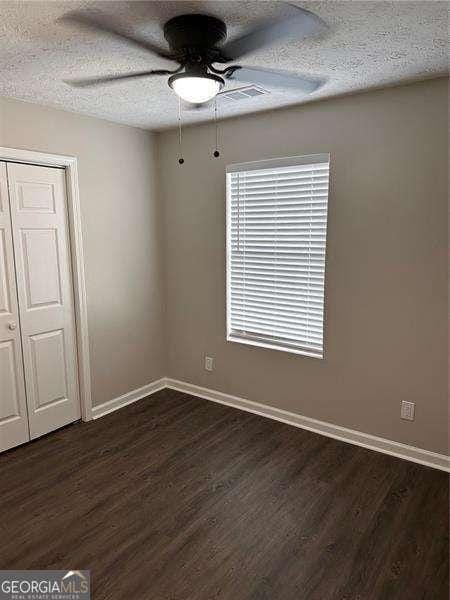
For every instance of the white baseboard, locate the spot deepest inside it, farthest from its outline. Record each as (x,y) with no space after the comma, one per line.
(107,407)
(351,436)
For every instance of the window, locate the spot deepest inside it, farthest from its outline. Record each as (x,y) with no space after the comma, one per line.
(276,239)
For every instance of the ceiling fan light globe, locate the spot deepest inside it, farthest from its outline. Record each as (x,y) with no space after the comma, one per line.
(196,89)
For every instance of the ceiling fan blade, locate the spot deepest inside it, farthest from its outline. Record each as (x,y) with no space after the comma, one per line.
(300,22)
(100,22)
(270,78)
(94,81)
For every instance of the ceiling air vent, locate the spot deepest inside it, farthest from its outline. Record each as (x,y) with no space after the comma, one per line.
(243,93)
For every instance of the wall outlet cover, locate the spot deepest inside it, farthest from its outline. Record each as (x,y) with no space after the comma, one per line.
(407,410)
(209,363)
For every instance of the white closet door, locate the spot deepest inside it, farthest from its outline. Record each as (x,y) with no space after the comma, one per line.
(42,254)
(13,410)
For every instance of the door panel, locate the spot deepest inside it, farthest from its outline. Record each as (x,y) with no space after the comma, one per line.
(41,267)
(13,410)
(49,368)
(9,371)
(36,197)
(42,252)
(5,302)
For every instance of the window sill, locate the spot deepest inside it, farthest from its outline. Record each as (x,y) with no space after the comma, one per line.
(268,346)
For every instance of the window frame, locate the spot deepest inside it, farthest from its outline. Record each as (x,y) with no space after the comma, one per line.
(254,166)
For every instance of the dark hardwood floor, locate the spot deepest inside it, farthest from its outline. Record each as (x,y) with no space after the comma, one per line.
(177,498)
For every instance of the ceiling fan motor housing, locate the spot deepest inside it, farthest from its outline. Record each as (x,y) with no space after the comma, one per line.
(194,36)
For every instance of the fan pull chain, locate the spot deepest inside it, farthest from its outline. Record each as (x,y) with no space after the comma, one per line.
(216,152)
(181,159)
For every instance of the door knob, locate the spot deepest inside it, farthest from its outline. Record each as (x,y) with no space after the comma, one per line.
(12,325)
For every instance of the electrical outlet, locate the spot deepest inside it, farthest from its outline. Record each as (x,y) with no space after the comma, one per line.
(407,410)
(209,363)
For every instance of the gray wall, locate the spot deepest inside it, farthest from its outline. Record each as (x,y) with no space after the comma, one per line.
(121,236)
(386,286)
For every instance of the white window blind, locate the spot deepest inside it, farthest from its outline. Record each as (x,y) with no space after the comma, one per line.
(276,241)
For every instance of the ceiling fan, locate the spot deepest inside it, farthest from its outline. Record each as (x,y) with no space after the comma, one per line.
(197,42)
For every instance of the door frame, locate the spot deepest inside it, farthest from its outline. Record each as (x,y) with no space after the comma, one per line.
(69,164)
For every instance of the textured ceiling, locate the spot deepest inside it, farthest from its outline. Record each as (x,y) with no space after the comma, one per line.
(369,44)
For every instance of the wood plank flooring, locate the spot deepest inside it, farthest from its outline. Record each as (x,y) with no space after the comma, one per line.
(178,498)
